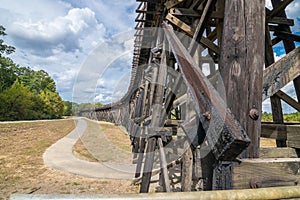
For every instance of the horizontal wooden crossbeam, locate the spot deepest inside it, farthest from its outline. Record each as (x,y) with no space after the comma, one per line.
(287,35)
(281,73)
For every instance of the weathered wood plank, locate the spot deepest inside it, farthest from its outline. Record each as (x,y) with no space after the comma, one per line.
(277,153)
(171,3)
(281,6)
(163,166)
(241,61)
(276,131)
(269,171)
(289,45)
(187,168)
(289,100)
(282,132)
(287,36)
(224,134)
(280,20)
(209,44)
(190,31)
(281,73)
(201,25)
(184,12)
(293,136)
(186,28)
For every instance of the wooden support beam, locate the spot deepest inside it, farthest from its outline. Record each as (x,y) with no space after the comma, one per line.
(267,172)
(187,168)
(289,100)
(148,165)
(293,139)
(180,24)
(282,132)
(273,152)
(275,131)
(281,73)
(280,20)
(201,25)
(189,30)
(209,44)
(287,36)
(208,100)
(288,44)
(149,1)
(171,3)
(163,166)
(241,61)
(275,40)
(184,12)
(279,8)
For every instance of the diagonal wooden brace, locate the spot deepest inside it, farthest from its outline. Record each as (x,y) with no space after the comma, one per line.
(277,75)
(225,135)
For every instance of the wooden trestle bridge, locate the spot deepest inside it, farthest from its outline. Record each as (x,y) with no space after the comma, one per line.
(201,69)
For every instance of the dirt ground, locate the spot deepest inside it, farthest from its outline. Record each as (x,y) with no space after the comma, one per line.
(22,169)
(104,142)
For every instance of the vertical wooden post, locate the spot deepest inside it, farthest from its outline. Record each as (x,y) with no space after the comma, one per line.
(241,64)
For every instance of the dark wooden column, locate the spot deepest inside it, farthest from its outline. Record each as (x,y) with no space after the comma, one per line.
(241,64)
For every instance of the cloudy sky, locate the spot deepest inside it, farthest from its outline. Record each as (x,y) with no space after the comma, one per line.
(85,45)
(59,36)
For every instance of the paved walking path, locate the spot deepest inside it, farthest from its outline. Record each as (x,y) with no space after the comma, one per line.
(60,156)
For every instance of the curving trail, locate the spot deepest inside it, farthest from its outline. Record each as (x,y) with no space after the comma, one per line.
(59,156)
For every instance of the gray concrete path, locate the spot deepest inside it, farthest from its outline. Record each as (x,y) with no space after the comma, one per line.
(60,156)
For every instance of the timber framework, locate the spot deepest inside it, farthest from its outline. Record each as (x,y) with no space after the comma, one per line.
(200,71)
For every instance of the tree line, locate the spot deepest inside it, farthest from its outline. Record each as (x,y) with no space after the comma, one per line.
(291,117)
(24,92)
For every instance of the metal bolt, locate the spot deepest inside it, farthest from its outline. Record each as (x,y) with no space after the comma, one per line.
(207,115)
(254,114)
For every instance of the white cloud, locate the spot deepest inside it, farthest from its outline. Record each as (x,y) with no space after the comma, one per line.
(269,4)
(46,38)
(115,15)
(58,36)
(102,98)
(293,13)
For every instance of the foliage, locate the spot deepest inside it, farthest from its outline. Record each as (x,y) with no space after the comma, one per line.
(67,108)
(7,73)
(26,93)
(4,48)
(84,106)
(53,104)
(15,102)
(292,117)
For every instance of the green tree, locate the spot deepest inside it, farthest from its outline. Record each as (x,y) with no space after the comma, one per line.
(53,104)
(25,93)
(7,66)
(4,48)
(15,102)
(37,81)
(7,73)
(67,108)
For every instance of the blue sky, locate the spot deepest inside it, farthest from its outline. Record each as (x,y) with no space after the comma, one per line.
(59,35)
(62,36)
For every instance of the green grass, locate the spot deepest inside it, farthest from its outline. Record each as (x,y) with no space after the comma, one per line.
(292,117)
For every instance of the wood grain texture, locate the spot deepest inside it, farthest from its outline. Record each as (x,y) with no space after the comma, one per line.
(241,61)
(267,168)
